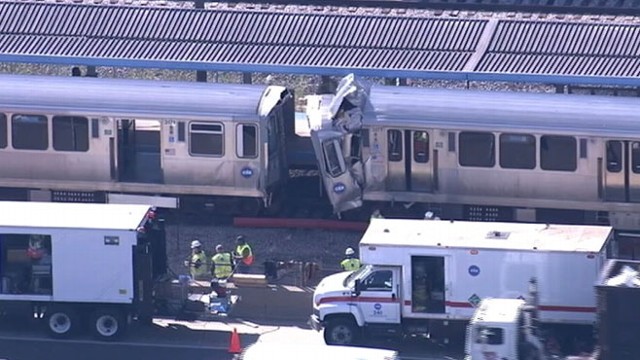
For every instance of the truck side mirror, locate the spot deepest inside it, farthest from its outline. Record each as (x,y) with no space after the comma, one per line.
(357,288)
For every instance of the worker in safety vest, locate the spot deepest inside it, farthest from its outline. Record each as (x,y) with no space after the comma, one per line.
(221,269)
(221,263)
(197,262)
(351,263)
(243,255)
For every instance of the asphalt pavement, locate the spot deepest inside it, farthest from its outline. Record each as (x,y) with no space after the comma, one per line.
(173,340)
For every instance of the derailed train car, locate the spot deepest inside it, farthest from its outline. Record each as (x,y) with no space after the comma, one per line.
(133,141)
(476,155)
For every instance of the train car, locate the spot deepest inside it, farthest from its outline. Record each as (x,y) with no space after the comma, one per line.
(134,141)
(474,155)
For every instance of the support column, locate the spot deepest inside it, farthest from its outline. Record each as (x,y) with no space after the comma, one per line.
(201,76)
(562,89)
(327,85)
(91,71)
(395,81)
(246,78)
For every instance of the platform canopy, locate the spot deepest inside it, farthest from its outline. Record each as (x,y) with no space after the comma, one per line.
(326,41)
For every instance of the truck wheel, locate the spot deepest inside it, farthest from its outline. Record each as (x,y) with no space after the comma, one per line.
(61,321)
(340,332)
(108,324)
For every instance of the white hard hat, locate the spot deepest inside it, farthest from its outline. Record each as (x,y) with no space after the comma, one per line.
(195,244)
(349,251)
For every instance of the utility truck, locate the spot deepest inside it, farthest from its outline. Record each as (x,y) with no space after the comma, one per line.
(510,328)
(426,277)
(75,265)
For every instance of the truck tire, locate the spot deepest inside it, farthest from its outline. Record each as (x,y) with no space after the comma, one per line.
(61,321)
(340,332)
(108,324)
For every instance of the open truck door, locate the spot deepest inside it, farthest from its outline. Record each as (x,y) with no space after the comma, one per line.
(341,184)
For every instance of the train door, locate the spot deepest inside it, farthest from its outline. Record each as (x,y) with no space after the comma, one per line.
(341,185)
(622,171)
(275,166)
(409,165)
(139,151)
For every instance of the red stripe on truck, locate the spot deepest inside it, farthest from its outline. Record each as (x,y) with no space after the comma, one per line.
(453,304)
(359,299)
(582,309)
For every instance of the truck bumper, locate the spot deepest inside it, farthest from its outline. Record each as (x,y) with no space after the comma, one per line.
(315,323)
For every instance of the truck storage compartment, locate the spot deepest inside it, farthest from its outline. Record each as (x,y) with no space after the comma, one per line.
(619,310)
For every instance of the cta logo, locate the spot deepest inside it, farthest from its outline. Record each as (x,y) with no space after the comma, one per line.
(246,172)
(339,188)
(474,270)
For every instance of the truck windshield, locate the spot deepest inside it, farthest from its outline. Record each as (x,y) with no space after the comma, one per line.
(361,273)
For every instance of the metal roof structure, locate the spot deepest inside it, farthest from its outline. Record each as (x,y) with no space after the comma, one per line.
(304,41)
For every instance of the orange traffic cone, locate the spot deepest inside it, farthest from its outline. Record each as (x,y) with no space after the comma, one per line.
(234,344)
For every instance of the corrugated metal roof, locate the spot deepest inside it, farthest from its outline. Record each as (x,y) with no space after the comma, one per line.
(287,41)
(564,48)
(246,37)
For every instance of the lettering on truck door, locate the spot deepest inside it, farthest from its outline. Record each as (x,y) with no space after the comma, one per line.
(379,300)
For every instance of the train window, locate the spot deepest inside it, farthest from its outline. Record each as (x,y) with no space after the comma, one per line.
(558,153)
(477,149)
(364,133)
(29,132)
(3,131)
(394,144)
(206,139)
(247,141)
(614,156)
(583,148)
(452,141)
(635,157)
(517,151)
(70,133)
(95,128)
(181,131)
(332,157)
(420,146)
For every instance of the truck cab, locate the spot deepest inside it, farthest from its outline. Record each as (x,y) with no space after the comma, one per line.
(502,329)
(345,302)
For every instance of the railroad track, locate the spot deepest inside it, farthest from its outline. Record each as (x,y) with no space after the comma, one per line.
(574,7)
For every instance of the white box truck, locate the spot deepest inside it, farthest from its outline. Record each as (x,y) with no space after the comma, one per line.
(509,328)
(76,264)
(427,277)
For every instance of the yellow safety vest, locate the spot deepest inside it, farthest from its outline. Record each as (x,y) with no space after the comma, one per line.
(248,260)
(350,264)
(222,262)
(194,268)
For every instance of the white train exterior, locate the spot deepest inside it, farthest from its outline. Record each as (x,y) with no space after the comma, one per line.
(158,142)
(471,154)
